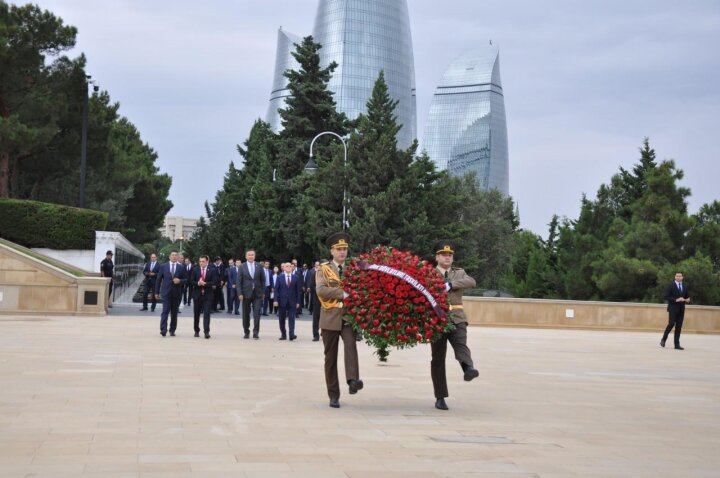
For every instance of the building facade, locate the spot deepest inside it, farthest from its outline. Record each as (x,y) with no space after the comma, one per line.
(362,37)
(178,228)
(466,128)
(283,61)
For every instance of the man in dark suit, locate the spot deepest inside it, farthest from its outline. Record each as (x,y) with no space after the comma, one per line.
(251,288)
(219,300)
(269,284)
(314,302)
(677,295)
(296,270)
(231,273)
(150,272)
(169,285)
(187,290)
(203,279)
(288,296)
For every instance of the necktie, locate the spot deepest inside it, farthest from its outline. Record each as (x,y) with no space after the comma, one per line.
(340,268)
(680,286)
(446,274)
(202,277)
(287,279)
(172,269)
(152,266)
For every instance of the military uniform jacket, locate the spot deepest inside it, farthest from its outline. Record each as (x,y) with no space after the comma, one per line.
(330,290)
(459,280)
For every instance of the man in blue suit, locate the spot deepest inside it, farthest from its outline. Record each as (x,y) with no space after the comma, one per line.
(288,296)
(168,287)
(150,272)
(231,273)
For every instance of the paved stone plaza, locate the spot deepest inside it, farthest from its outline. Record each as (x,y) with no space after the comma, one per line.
(110,397)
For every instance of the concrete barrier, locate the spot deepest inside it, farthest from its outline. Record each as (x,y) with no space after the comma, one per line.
(514,312)
(33,284)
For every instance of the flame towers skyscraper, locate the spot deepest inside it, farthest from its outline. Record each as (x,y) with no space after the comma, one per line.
(363,37)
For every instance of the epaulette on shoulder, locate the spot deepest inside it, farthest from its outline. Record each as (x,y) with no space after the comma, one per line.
(325,263)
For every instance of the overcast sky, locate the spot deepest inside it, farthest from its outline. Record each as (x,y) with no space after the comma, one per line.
(584,82)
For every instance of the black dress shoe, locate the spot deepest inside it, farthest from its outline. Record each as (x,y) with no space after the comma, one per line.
(662,343)
(255,336)
(247,335)
(144,308)
(163,333)
(334,403)
(355,385)
(677,347)
(172,334)
(152,310)
(470,374)
(440,404)
(207,336)
(197,334)
(316,339)
(293,337)
(283,338)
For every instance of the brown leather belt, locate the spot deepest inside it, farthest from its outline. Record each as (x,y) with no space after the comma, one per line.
(456,307)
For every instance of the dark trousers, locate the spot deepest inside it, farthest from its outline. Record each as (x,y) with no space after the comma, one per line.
(255,303)
(187,294)
(267,302)
(171,304)
(331,341)
(233,302)
(287,310)
(315,309)
(458,339)
(149,289)
(676,315)
(219,300)
(202,304)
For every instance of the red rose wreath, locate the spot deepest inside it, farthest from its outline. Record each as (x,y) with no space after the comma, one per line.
(395,299)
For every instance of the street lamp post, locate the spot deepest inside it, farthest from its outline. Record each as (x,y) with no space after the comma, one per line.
(181,239)
(83,138)
(312,167)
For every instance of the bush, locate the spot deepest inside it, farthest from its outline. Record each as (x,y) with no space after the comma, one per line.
(39,224)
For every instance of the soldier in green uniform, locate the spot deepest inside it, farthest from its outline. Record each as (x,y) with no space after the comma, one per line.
(328,282)
(455,281)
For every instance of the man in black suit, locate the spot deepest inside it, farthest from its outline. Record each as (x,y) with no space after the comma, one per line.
(314,302)
(219,299)
(150,272)
(251,290)
(169,284)
(269,284)
(187,290)
(677,295)
(204,280)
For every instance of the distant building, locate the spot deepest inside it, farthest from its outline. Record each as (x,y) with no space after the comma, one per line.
(363,37)
(283,61)
(177,227)
(466,128)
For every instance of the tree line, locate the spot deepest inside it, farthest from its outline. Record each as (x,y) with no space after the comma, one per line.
(41,97)
(625,245)
(395,197)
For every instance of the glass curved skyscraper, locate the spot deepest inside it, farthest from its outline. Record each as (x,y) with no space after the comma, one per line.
(362,37)
(466,128)
(283,61)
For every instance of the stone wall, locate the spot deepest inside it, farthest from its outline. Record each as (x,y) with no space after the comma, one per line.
(513,312)
(28,285)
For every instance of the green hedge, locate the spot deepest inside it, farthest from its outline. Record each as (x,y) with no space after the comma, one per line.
(39,224)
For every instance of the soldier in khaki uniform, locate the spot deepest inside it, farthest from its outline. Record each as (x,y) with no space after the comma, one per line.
(329,288)
(455,281)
